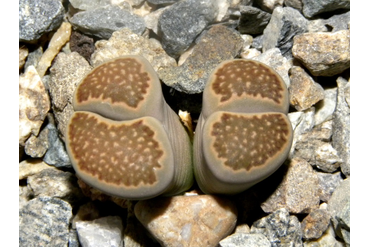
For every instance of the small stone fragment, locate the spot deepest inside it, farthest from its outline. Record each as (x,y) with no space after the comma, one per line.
(30,167)
(37,17)
(280,228)
(298,192)
(59,39)
(333,24)
(45,221)
(252,20)
(187,220)
(88,4)
(36,147)
(105,231)
(268,5)
(103,21)
(25,194)
(243,239)
(326,240)
(160,2)
(23,53)
(328,182)
(304,92)
(326,107)
(125,42)
(73,239)
(82,44)
(250,53)
(284,25)
(218,44)
(296,4)
(182,22)
(314,7)
(34,104)
(315,224)
(34,57)
(65,74)
(151,19)
(341,127)
(323,53)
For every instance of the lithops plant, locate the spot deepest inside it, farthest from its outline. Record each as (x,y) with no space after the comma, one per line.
(123,138)
(243,134)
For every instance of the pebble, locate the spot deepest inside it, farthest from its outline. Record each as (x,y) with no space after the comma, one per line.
(151,19)
(73,239)
(65,74)
(315,224)
(284,25)
(86,212)
(326,240)
(31,167)
(269,5)
(37,17)
(187,220)
(252,20)
(314,7)
(36,146)
(82,44)
(332,24)
(280,228)
(23,53)
(298,192)
(34,57)
(105,231)
(160,2)
(323,53)
(34,104)
(89,4)
(326,107)
(304,92)
(328,182)
(243,239)
(218,44)
(182,22)
(45,221)
(125,42)
(25,194)
(103,21)
(55,183)
(339,209)
(296,4)
(341,126)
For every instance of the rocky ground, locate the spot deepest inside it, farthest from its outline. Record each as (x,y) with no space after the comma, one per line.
(305,203)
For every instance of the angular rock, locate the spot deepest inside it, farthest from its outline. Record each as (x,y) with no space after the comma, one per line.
(280,228)
(34,57)
(25,194)
(314,7)
(339,209)
(23,53)
(333,24)
(36,147)
(284,25)
(252,20)
(73,239)
(34,104)
(341,126)
(88,4)
(250,53)
(103,21)
(218,44)
(315,224)
(151,19)
(296,4)
(182,22)
(323,53)
(268,5)
(56,155)
(243,239)
(55,183)
(298,192)
(187,220)
(65,74)
(45,221)
(82,44)
(125,42)
(37,17)
(304,92)
(326,240)
(160,2)
(280,64)
(325,108)
(328,182)
(30,167)
(86,212)
(105,231)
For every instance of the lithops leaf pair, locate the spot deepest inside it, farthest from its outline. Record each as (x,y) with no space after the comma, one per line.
(243,134)
(123,138)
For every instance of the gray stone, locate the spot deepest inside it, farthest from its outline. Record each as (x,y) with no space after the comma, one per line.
(328,182)
(252,20)
(182,22)
(30,167)
(25,194)
(296,4)
(314,7)
(333,24)
(73,239)
(285,23)
(298,192)
(44,221)
(37,17)
(339,209)
(65,74)
(218,44)
(105,231)
(325,108)
(268,5)
(160,2)
(125,42)
(34,57)
(279,63)
(341,127)
(257,42)
(56,155)
(304,92)
(243,239)
(323,53)
(36,147)
(88,4)
(280,228)
(55,183)
(103,21)
(23,53)
(315,224)
(326,240)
